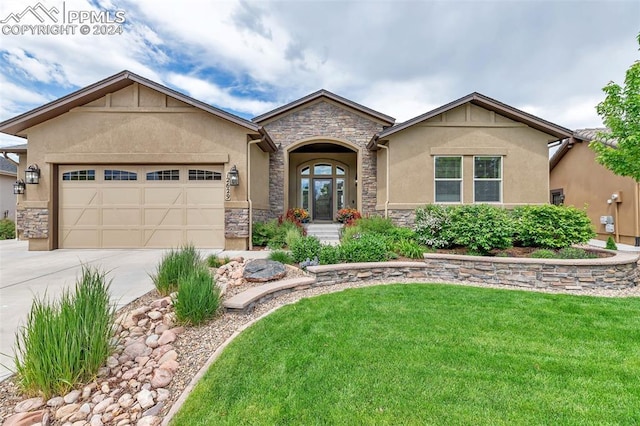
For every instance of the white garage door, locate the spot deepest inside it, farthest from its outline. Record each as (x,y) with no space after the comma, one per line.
(119,206)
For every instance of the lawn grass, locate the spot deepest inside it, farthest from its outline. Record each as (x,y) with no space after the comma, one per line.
(429,354)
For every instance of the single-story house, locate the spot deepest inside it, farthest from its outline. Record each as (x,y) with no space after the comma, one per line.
(127,162)
(612,201)
(8,175)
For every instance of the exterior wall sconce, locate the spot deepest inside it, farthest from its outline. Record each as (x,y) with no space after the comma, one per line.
(233,179)
(19,187)
(234,176)
(32,174)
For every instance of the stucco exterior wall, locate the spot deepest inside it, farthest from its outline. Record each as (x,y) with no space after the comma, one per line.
(322,121)
(587,183)
(135,125)
(466,131)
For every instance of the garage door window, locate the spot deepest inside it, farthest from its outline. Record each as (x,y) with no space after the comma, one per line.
(119,175)
(204,175)
(79,175)
(164,175)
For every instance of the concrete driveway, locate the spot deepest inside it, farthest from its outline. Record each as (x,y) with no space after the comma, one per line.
(25,274)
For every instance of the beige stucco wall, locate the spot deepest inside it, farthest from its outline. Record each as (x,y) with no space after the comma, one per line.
(259,178)
(466,131)
(133,125)
(587,183)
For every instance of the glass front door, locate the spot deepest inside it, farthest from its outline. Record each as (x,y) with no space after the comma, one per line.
(323,199)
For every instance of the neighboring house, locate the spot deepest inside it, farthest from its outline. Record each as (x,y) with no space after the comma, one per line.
(127,162)
(577,179)
(8,176)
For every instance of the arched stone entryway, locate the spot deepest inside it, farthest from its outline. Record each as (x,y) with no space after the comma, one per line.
(322,177)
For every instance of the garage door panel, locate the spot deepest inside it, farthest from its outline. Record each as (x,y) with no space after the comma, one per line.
(121,217)
(121,196)
(121,238)
(162,195)
(80,216)
(120,213)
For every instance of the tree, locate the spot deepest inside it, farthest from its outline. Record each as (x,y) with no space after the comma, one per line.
(618,149)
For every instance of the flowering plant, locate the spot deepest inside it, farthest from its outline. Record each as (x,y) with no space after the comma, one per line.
(299,214)
(348,216)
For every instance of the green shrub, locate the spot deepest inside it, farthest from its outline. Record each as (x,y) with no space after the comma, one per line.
(305,248)
(175,264)
(282,257)
(543,254)
(374,224)
(329,255)
(550,226)
(262,232)
(215,262)
(7,229)
(349,232)
(409,248)
(479,227)
(65,343)
(575,253)
(399,233)
(366,248)
(292,236)
(429,224)
(611,244)
(198,297)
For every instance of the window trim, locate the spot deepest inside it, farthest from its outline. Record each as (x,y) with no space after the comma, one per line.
(162,174)
(500,179)
(89,175)
(459,180)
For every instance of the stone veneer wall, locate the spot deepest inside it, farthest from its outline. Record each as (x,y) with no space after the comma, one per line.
(322,119)
(406,218)
(618,272)
(32,222)
(236,223)
(261,215)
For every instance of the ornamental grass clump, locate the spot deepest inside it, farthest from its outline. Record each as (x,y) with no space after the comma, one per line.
(174,265)
(64,343)
(198,297)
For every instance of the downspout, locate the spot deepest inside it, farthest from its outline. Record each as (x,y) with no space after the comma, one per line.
(388,172)
(249,191)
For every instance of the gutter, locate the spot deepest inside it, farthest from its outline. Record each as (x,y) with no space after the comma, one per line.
(249,191)
(386,203)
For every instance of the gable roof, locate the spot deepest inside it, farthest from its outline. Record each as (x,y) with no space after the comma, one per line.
(7,167)
(328,95)
(15,126)
(579,136)
(485,102)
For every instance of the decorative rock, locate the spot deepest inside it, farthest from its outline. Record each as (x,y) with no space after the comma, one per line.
(263,270)
(137,349)
(101,407)
(171,355)
(177,330)
(162,394)
(167,337)
(28,419)
(142,360)
(130,374)
(145,399)
(161,350)
(143,322)
(85,408)
(160,303)
(153,411)
(105,388)
(55,402)
(29,405)
(161,378)
(86,391)
(126,400)
(112,362)
(152,341)
(65,411)
(161,328)
(78,416)
(154,315)
(149,421)
(96,420)
(170,365)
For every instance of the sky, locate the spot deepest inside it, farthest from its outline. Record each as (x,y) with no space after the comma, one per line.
(402,58)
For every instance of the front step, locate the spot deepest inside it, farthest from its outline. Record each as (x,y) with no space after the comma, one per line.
(327,233)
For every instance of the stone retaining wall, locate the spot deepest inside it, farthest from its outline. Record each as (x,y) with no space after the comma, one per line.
(617,272)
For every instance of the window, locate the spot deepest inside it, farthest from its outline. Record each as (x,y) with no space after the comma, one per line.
(164,175)
(487,179)
(322,169)
(304,191)
(204,175)
(119,175)
(79,175)
(557,197)
(448,179)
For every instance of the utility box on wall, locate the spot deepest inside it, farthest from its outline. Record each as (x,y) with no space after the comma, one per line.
(606,220)
(610,228)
